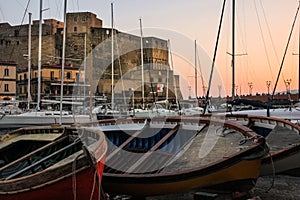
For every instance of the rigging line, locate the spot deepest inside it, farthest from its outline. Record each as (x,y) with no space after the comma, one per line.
(174,81)
(264,42)
(58,8)
(227,50)
(120,67)
(214,58)
(201,74)
(286,48)
(269,31)
(1,12)
(19,28)
(241,30)
(77,5)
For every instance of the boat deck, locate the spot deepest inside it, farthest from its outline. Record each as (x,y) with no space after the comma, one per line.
(212,144)
(31,137)
(281,137)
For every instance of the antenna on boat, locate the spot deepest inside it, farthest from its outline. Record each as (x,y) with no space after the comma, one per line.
(214,58)
(63,61)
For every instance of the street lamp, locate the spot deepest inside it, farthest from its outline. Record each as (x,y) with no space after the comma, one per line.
(268,86)
(250,84)
(288,85)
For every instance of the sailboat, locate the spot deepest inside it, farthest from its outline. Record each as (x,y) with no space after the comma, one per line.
(156,109)
(281,135)
(293,112)
(40,117)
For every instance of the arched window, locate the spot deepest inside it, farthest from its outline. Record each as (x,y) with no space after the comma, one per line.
(6,72)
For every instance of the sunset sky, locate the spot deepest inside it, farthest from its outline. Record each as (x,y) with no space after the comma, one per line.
(262,30)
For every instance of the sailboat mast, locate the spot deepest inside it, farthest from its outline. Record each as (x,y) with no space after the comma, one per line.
(196,81)
(233,48)
(40,57)
(299,67)
(112,57)
(84,67)
(142,64)
(168,71)
(29,63)
(63,60)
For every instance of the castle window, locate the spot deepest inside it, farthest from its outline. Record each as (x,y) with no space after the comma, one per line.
(25,76)
(75,29)
(6,72)
(20,77)
(18,42)
(6,88)
(75,48)
(17,33)
(75,18)
(84,18)
(52,75)
(68,75)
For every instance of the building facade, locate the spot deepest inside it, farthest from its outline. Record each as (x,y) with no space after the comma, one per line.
(8,80)
(88,46)
(50,82)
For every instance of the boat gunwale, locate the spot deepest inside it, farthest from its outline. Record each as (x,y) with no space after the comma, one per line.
(38,179)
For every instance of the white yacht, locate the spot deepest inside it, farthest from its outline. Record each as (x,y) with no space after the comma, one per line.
(40,118)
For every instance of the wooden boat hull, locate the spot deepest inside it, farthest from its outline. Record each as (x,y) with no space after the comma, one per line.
(234,175)
(238,170)
(73,178)
(284,143)
(62,189)
(285,161)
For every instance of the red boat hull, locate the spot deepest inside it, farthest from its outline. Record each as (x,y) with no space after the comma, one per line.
(81,186)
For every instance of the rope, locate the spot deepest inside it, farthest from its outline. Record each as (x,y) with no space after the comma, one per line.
(273,173)
(246,139)
(281,66)
(94,184)
(74,177)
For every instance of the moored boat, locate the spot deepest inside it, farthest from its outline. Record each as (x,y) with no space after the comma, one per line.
(177,154)
(283,139)
(51,162)
(40,118)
